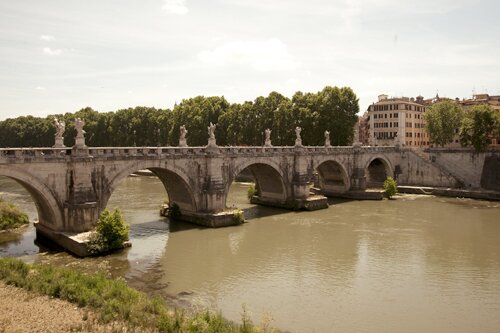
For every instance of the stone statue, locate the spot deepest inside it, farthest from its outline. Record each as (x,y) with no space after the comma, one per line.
(80,133)
(182,136)
(211,135)
(183,132)
(60,128)
(79,123)
(267,143)
(211,131)
(327,139)
(298,140)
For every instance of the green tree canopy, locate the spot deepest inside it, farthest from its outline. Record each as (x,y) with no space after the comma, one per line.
(478,125)
(333,109)
(443,120)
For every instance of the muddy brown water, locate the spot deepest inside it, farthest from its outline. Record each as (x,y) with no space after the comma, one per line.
(414,264)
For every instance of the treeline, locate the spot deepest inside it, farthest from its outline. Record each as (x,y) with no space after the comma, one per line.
(333,109)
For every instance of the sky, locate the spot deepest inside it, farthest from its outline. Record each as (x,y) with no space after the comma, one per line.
(59,56)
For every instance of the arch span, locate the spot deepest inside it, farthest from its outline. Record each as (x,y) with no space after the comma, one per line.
(333,177)
(48,209)
(269,181)
(176,183)
(377,170)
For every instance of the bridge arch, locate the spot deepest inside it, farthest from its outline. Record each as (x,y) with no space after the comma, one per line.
(48,209)
(177,184)
(269,179)
(333,177)
(377,169)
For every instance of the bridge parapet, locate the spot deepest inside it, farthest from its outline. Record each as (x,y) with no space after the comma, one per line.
(16,155)
(10,155)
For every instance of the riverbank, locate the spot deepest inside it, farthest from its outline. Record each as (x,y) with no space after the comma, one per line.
(110,304)
(24,311)
(480,194)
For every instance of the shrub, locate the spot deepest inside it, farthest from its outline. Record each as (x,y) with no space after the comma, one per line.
(238,217)
(390,187)
(174,211)
(11,216)
(110,233)
(251,192)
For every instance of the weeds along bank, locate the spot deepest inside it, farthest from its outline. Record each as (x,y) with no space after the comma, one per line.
(113,300)
(11,216)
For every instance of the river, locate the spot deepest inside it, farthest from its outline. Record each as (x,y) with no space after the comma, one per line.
(414,264)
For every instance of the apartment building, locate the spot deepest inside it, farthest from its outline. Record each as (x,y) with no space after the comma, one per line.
(395,120)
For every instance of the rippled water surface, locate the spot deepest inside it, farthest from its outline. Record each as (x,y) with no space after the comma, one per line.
(415,264)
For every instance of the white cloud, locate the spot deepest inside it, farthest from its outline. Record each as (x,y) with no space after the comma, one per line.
(175,7)
(40,88)
(267,55)
(47,38)
(52,52)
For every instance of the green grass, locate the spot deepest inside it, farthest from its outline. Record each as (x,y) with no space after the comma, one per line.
(113,300)
(11,217)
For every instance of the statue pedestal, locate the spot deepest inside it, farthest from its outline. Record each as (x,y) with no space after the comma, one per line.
(59,143)
(268,143)
(298,142)
(182,143)
(211,142)
(80,142)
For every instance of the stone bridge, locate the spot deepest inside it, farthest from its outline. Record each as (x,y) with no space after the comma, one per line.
(71,187)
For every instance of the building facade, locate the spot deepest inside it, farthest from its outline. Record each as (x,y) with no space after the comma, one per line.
(396,120)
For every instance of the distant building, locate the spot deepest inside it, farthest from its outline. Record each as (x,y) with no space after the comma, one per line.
(400,120)
(395,120)
(493,101)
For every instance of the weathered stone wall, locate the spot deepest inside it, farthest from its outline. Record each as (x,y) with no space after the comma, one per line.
(412,169)
(490,178)
(467,165)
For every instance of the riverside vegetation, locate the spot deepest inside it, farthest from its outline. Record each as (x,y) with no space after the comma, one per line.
(11,216)
(113,300)
(390,187)
(111,233)
(334,109)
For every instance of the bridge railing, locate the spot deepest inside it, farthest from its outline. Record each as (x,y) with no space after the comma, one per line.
(20,154)
(33,153)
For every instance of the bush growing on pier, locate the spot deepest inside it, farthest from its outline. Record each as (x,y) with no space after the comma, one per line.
(238,217)
(390,187)
(174,211)
(110,234)
(251,192)
(11,216)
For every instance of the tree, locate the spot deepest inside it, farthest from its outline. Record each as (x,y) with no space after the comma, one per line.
(196,113)
(478,125)
(442,120)
(390,187)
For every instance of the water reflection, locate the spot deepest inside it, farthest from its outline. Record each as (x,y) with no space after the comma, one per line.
(413,264)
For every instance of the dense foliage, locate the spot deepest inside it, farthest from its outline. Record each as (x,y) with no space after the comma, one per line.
(478,125)
(11,217)
(110,234)
(390,187)
(442,121)
(114,301)
(333,109)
